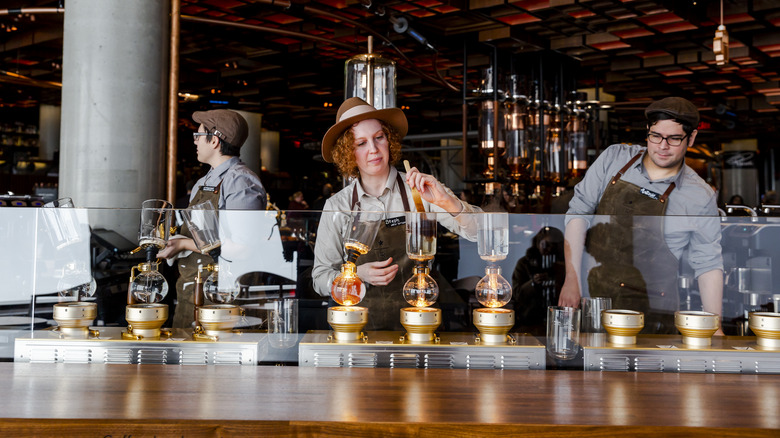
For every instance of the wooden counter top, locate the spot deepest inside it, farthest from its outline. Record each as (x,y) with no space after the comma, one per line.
(169,400)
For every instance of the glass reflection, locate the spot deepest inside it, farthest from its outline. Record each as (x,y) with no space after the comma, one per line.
(750,251)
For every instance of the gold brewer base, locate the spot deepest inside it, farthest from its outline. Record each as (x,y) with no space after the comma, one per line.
(766,326)
(696,327)
(74,318)
(493,324)
(218,319)
(622,326)
(347,322)
(420,323)
(145,320)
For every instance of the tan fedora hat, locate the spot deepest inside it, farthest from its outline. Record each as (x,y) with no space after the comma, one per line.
(354,110)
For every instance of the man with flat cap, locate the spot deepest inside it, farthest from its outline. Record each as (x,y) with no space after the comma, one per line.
(228,185)
(656,209)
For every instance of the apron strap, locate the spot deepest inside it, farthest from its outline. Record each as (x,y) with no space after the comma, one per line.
(401,188)
(667,192)
(620,173)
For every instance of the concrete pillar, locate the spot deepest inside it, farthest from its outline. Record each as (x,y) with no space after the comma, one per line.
(250,151)
(114,75)
(270,150)
(48,131)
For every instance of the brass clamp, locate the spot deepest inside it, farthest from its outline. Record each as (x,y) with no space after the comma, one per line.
(129,335)
(200,335)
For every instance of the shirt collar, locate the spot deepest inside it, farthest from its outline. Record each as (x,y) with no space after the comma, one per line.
(219,171)
(388,184)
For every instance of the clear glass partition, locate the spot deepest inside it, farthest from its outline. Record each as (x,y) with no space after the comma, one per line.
(53,256)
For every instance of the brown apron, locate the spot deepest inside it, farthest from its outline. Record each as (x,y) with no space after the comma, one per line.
(638,271)
(184,314)
(384,302)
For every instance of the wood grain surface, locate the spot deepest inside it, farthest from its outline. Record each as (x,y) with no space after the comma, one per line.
(168,400)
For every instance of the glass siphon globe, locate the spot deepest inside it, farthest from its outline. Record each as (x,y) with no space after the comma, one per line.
(493,290)
(421,289)
(347,288)
(213,293)
(81,291)
(149,287)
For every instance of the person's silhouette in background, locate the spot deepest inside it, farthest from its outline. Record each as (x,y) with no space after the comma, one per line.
(537,280)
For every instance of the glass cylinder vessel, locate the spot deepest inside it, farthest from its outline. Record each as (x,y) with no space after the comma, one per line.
(64,226)
(283,323)
(493,236)
(201,219)
(518,153)
(577,146)
(491,141)
(363,227)
(155,223)
(555,158)
(371,78)
(421,236)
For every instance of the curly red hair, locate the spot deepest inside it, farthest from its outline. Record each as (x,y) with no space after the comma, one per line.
(344,150)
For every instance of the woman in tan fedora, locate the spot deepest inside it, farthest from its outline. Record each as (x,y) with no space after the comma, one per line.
(365,145)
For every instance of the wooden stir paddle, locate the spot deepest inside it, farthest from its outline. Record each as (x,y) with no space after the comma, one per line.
(415,194)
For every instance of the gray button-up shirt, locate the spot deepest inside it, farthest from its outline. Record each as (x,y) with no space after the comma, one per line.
(241,188)
(329,251)
(691,220)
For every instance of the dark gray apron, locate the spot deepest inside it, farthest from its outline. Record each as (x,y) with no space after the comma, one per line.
(637,267)
(184,314)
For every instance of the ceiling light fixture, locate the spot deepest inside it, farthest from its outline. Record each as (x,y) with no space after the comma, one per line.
(720,44)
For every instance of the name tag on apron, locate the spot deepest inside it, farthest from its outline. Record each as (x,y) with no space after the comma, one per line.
(209,188)
(650,194)
(395,221)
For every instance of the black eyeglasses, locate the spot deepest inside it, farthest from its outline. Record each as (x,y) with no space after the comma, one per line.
(195,135)
(674,140)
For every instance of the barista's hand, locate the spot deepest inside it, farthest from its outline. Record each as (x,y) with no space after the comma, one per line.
(377,273)
(719,333)
(570,294)
(175,246)
(433,191)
